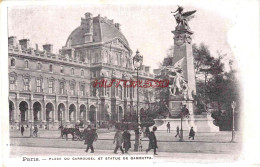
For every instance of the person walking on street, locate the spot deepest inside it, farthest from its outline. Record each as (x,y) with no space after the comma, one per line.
(22,130)
(118,139)
(152,141)
(168,127)
(90,137)
(192,133)
(127,141)
(177,131)
(35,132)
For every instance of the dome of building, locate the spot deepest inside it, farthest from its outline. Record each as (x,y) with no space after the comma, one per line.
(95,30)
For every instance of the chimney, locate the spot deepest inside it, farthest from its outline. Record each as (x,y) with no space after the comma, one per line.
(25,43)
(12,41)
(48,48)
(117,25)
(147,69)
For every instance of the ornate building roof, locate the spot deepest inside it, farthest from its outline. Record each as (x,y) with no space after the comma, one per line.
(95,30)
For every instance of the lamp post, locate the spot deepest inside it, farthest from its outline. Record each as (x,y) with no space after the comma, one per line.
(19,121)
(137,62)
(233,105)
(31,135)
(61,126)
(181,131)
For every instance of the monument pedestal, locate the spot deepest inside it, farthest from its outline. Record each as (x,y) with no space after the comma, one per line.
(200,123)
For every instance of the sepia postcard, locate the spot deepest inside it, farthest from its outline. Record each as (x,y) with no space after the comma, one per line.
(130,83)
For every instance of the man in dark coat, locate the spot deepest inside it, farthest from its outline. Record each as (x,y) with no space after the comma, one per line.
(22,130)
(192,133)
(152,141)
(90,137)
(127,142)
(177,131)
(168,127)
(118,140)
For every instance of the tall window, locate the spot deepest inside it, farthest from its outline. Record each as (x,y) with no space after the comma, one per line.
(50,86)
(116,91)
(94,92)
(26,83)
(62,85)
(39,66)
(26,64)
(94,74)
(12,62)
(38,85)
(50,68)
(72,71)
(82,73)
(120,92)
(12,83)
(107,92)
(133,92)
(96,57)
(82,90)
(61,69)
(72,88)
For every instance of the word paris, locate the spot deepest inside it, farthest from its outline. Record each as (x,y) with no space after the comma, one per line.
(151,83)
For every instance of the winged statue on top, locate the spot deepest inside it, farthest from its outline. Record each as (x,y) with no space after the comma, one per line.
(183,18)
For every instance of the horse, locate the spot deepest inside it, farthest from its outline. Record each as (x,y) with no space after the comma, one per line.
(66,131)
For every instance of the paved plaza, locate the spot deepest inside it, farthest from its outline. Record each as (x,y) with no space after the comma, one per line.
(209,144)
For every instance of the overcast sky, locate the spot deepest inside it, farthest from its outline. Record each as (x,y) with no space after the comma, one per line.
(147,28)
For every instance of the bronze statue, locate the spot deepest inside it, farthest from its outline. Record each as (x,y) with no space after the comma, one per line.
(183,18)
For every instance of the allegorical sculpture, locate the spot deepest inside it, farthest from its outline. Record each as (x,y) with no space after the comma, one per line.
(183,18)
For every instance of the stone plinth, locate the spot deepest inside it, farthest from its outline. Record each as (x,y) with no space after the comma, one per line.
(200,123)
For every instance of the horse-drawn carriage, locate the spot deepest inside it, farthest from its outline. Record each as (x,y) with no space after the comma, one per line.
(77,133)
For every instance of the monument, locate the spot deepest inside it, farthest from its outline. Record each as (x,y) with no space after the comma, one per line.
(180,69)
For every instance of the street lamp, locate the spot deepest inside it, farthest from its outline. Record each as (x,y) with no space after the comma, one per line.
(181,131)
(233,105)
(61,126)
(31,135)
(137,62)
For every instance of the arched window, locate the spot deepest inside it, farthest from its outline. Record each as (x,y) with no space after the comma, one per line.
(61,69)
(26,64)
(50,68)
(12,62)
(72,71)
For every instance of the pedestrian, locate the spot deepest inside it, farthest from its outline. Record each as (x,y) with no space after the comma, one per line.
(22,130)
(35,131)
(177,131)
(127,140)
(152,141)
(168,127)
(90,137)
(192,133)
(118,140)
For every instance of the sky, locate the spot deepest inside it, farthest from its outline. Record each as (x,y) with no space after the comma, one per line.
(146,27)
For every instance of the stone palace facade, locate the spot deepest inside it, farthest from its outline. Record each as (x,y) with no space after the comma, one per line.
(45,87)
